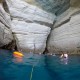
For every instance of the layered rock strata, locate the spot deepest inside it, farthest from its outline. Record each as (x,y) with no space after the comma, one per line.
(54,6)
(5,32)
(30,25)
(65,35)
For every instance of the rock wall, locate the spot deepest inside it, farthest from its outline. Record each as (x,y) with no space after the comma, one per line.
(5,32)
(65,35)
(53,6)
(30,25)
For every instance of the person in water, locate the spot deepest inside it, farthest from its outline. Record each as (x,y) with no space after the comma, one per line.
(64,58)
(64,55)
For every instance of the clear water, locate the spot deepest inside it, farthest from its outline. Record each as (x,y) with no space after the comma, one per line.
(44,67)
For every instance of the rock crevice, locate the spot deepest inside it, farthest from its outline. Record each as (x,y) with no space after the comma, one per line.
(65,35)
(30,26)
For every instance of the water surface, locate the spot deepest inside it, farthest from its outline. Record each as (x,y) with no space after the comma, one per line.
(42,67)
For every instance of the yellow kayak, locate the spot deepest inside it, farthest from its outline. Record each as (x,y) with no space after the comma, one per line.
(18,53)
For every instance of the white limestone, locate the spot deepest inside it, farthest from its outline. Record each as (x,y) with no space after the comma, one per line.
(29,12)
(30,36)
(5,32)
(67,36)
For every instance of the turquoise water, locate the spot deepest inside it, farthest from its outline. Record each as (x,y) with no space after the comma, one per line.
(38,67)
(64,70)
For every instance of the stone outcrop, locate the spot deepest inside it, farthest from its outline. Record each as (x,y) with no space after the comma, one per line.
(54,6)
(65,35)
(30,25)
(5,32)
(30,36)
(32,21)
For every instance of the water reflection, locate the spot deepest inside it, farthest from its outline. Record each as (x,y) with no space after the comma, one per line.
(64,61)
(17,58)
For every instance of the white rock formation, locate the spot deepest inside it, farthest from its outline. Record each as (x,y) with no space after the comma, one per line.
(30,25)
(22,10)
(5,32)
(66,33)
(53,6)
(30,36)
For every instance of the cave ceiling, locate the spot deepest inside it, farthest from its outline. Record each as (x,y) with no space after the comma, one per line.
(53,6)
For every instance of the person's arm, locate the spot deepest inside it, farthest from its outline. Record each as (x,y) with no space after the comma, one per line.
(61,56)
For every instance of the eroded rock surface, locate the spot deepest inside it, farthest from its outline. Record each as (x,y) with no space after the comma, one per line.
(30,25)
(32,21)
(65,35)
(53,6)
(5,32)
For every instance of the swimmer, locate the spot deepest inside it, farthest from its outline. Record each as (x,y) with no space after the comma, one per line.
(64,58)
(65,55)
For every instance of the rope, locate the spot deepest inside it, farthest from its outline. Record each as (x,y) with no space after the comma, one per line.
(31,75)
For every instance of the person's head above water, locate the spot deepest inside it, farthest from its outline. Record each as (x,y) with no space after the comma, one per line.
(64,55)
